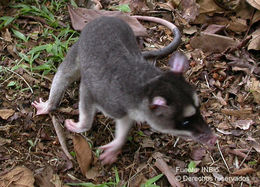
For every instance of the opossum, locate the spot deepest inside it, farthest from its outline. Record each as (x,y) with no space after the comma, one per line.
(117,80)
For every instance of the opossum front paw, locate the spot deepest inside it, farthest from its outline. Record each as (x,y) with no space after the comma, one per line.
(110,153)
(41,106)
(74,127)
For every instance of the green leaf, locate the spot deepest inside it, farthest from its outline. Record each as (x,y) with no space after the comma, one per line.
(36,49)
(191,167)
(20,35)
(117,175)
(11,84)
(152,180)
(72,2)
(31,143)
(6,21)
(123,8)
(43,67)
(252,163)
(24,57)
(72,153)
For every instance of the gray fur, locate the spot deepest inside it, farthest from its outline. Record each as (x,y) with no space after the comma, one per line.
(117,80)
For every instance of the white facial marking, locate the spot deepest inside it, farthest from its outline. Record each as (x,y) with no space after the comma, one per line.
(189,111)
(196,99)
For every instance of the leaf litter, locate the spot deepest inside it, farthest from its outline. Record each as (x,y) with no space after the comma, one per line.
(224,68)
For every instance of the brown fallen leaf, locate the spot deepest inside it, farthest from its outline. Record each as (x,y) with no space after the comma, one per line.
(93,172)
(147,142)
(237,25)
(190,10)
(239,153)
(212,42)
(209,6)
(255,89)
(43,177)
(83,153)
(254,3)
(81,16)
(60,134)
(255,41)
(214,28)
(4,141)
(243,124)
(244,171)
(139,180)
(135,5)
(254,143)
(6,113)
(198,153)
(165,169)
(18,177)
(238,113)
(7,36)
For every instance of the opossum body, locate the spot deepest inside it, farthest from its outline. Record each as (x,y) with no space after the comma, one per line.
(117,80)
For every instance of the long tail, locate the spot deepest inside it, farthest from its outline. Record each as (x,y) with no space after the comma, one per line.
(169,48)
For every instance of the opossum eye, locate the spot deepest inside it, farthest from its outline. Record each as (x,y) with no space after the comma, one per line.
(185,123)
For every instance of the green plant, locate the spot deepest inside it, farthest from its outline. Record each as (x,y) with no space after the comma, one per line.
(122,8)
(191,166)
(150,182)
(41,11)
(5,20)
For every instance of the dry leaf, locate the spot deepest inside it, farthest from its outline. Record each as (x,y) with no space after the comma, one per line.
(93,173)
(198,153)
(4,141)
(214,28)
(83,153)
(212,42)
(209,6)
(56,180)
(243,124)
(6,113)
(147,142)
(237,25)
(255,41)
(166,170)
(254,143)
(190,30)
(256,17)
(138,180)
(254,3)
(81,16)
(43,177)
(255,89)
(244,171)
(190,10)
(135,5)
(18,177)
(7,36)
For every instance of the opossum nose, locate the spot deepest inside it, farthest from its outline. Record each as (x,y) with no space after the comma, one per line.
(212,140)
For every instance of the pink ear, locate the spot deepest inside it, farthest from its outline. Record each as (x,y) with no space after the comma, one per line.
(159,101)
(179,62)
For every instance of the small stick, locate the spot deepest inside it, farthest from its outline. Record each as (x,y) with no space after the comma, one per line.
(21,78)
(164,168)
(222,157)
(60,135)
(245,158)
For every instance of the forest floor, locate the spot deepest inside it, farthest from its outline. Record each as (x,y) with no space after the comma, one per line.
(224,68)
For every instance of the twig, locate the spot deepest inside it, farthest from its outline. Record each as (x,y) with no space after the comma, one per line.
(245,157)
(164,168)
(223,157)
(21,78)
(60,135)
